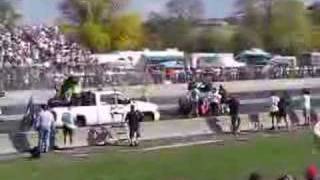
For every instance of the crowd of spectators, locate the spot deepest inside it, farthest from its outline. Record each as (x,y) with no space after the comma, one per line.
(32,56)
(30,45)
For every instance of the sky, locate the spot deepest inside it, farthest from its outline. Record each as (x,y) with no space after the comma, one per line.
(46,11)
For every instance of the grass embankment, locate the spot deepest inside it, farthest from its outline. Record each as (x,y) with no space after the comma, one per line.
(270,156)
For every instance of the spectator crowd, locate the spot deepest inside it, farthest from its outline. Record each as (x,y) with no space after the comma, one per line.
(29,45)
(33,56)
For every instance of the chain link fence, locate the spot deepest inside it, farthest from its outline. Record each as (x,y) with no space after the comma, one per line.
(94,76)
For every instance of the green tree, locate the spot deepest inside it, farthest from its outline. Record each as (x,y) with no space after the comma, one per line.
(185,9)
(8,14)
(214,40)
(126,32)
(314,13)
(96,37)
(99,25)
(315,38)
(174,32)
(176,28)
(282,26)
(290,28)
(82,11)
(245,39)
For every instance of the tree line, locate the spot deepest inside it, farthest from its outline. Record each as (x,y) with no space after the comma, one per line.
(279,26)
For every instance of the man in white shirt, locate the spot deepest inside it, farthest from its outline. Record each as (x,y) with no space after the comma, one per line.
(306,100)
(215,102)
(194,99)
(44,124)
(274,109)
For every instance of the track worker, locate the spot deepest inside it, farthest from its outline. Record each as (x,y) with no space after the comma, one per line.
(283,106)
(274,110)
(306,103)
(133,118)
(234,114)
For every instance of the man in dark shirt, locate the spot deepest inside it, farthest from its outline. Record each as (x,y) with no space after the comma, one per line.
(283,106)
(134,117)
(234,113)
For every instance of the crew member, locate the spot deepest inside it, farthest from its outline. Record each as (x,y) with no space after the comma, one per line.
(274,109)
(234,113)
(134,117)
(306,99)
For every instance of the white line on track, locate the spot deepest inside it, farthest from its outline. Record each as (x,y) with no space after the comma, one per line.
(178,145)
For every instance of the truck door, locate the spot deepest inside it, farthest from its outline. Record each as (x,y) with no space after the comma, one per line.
(120,108)
(104,108)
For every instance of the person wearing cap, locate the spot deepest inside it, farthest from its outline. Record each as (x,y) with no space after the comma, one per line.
(133,118)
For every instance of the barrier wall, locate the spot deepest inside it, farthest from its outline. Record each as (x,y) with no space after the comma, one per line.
(18,142)
(176,90)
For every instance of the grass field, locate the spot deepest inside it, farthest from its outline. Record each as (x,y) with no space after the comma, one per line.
(270,156)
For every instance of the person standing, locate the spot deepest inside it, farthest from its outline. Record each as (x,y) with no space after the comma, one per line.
(215,102)
(194,100)
(306,100)
(234,114)
(283,106)
(133,118)
(44,124)
(68,127)
(274,109)
(223,94)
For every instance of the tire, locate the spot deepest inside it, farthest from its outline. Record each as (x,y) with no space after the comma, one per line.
(148,117)
(81,121)
(184,106)
(2,94)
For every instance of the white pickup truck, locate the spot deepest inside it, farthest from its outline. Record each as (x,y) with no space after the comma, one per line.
(105,107)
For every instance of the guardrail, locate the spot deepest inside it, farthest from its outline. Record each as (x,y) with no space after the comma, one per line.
(22,78)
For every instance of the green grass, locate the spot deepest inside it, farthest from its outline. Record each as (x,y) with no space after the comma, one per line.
(269,156)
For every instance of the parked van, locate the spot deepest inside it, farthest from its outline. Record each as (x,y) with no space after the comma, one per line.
(310,59)
(205,60)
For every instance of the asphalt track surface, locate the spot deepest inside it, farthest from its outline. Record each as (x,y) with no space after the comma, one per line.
(169,104)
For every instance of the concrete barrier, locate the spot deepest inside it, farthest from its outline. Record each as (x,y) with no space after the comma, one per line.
(19,142)
(176,90)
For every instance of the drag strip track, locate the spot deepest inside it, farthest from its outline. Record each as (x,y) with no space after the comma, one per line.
(251,103)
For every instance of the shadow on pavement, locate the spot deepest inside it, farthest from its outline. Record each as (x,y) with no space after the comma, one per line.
(20,142)
(213,125)
(20,138)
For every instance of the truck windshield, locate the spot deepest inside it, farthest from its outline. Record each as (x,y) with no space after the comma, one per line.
(113,99)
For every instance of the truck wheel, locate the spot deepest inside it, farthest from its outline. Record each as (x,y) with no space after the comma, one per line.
(148,117)
(81,121)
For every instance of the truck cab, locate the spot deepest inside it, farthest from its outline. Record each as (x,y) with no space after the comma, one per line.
(104,107)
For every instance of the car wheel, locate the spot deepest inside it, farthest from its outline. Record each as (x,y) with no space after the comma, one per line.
(81,121)
(148,117)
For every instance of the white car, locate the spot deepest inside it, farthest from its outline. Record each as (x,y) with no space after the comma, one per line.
(105,107)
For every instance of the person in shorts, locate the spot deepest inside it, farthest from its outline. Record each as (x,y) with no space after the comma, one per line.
(68,127)
(274,109)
